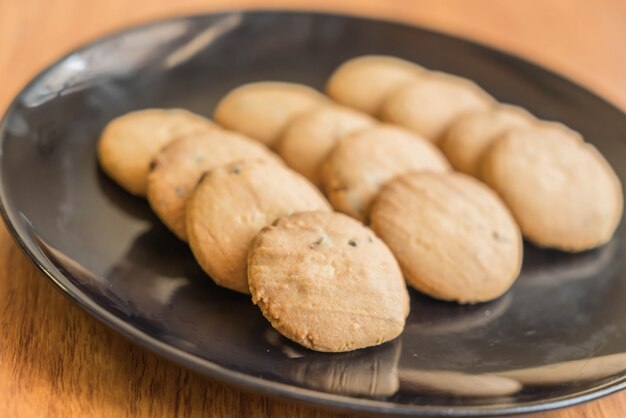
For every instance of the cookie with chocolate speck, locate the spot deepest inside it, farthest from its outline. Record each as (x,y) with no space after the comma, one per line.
(232,203)
(453,237)
(325,281)
(129,143)
(178,167)
(561,190)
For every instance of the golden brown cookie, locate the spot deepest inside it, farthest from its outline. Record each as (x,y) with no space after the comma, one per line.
(232,203)
(364,82)
(327,282)
(431,103)
(453,237)
(470,134)
(130,142)
(310,137)
(178,167)
(262,110)
(361,163)
(562,192)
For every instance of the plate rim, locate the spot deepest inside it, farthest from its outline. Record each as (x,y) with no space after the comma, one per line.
(236,378)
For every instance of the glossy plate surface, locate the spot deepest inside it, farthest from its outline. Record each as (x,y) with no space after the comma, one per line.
(561,330)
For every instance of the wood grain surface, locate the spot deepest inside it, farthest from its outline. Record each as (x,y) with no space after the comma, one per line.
(57,361)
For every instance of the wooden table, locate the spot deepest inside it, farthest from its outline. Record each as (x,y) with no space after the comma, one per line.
(55,360)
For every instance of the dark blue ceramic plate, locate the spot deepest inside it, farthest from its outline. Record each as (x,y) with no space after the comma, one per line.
(559,336)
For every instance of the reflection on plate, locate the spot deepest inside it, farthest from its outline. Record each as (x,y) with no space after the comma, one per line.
(551,267)
(458,384)
(436,317)
(570,371)
(372,372)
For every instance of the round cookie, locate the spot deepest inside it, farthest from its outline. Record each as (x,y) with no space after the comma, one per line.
(470,135)
(327,282)
(364,82)
(310,137)
(453,237)
(562,192)
(362,163)
(262,110)
(129,142)
(431,103)
(232,203)
(178,167)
